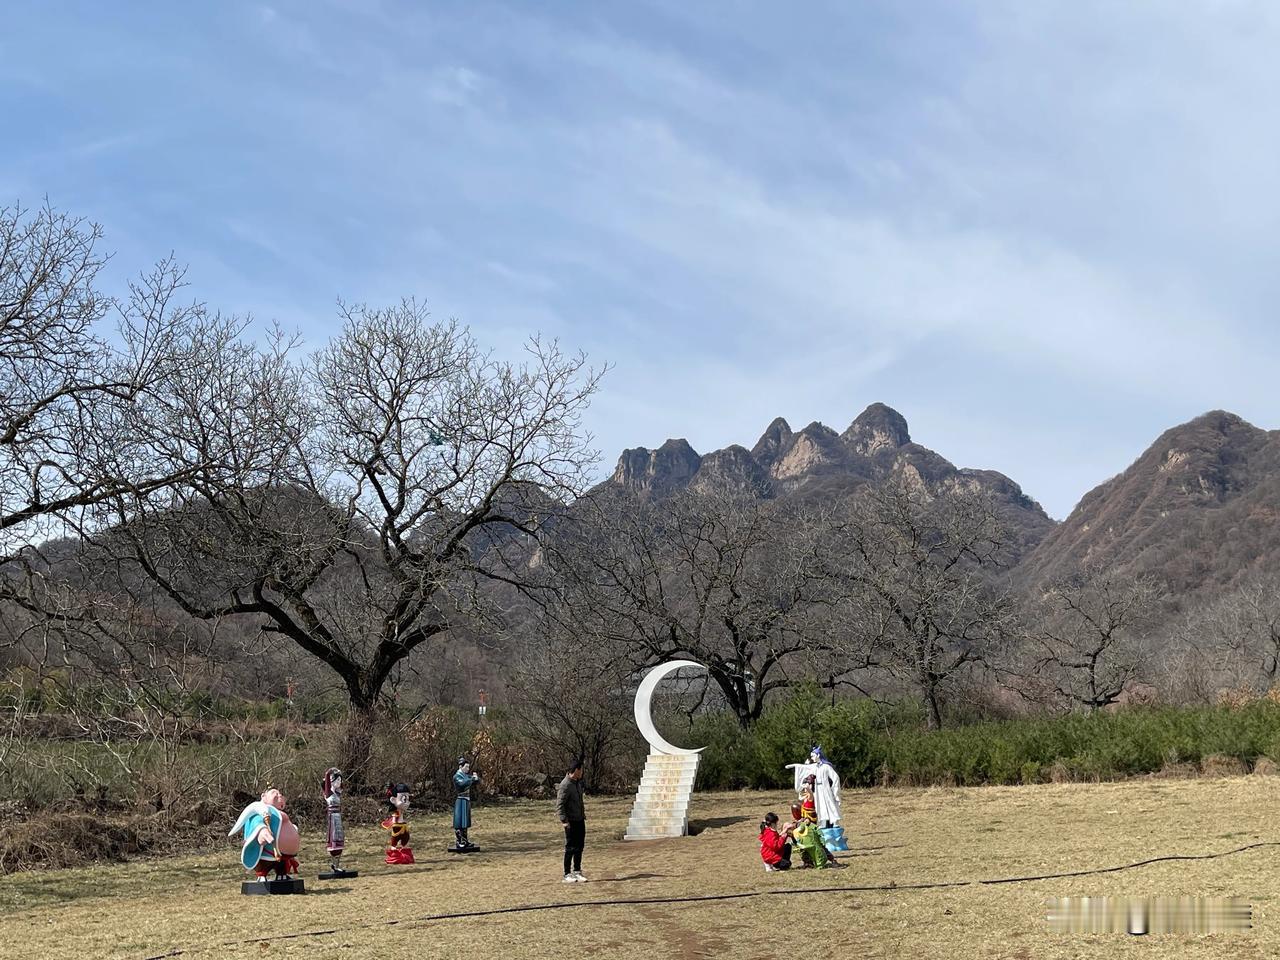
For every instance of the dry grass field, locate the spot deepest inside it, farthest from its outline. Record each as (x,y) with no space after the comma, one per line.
(191,907)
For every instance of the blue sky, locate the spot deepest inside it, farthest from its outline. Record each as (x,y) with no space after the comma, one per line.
(1044,232)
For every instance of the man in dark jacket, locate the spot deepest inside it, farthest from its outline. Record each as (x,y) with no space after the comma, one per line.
(569,808)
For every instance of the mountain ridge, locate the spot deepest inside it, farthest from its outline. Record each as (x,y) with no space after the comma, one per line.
(1198,509)
(817,461)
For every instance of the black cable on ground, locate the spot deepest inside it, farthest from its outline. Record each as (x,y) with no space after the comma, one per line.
(699,898)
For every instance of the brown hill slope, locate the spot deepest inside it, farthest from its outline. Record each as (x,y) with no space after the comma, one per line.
(1198,509)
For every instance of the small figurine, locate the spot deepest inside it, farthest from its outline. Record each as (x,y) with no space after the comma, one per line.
(463,781)
(398,849)
(808,806)
(331,790)
(271,844)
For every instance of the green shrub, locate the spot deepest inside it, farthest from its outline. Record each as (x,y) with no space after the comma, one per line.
(869,744)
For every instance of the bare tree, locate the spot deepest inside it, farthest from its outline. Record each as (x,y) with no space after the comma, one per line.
(1232,642)
(571,697)
(1090,637)
(716,576)
(71,381)
(352,504)
(911,569)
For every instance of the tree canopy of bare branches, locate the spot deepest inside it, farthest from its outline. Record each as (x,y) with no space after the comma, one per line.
(1088,647)
(716,576)
(351,503)
(72,381)
(1230,643)
(912,571)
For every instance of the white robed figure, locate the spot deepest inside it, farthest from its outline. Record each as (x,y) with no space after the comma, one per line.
(826,786)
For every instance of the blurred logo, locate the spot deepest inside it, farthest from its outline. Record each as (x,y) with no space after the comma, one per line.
(1155,915)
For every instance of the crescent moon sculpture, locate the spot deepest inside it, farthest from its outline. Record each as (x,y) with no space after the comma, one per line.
(644,708)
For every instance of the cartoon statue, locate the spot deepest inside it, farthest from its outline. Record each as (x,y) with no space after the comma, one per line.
(807,840)
(331,790)
(830,838)
(271,844)
(825,784)
(398,849)
(463,781)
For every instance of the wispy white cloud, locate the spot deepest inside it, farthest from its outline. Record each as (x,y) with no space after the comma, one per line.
(523,279)
(455,85)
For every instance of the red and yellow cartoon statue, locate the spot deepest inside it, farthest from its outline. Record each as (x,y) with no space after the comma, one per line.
(398,849)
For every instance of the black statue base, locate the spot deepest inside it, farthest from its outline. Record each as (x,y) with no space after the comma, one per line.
(252,888)
(469,848)
(339,874)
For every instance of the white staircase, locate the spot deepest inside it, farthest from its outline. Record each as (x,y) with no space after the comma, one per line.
(662,802)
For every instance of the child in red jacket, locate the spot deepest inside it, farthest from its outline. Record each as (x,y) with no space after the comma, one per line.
(774,849)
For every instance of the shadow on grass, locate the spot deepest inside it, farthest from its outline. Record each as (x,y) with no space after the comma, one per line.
(633,876)
(552,847)
(714,823)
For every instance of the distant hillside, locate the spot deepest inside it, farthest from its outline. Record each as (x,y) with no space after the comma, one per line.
(816,462)
(1198,509)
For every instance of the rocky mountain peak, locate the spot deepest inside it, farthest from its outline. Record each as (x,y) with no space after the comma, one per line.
(775,439)
(660,471)
(732,468)
(877,428)
(818,463)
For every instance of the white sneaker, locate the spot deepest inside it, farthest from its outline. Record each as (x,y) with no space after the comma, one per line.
(579,877)
(770,868)
(569,878)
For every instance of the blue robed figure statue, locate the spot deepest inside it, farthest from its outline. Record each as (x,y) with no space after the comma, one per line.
(463,781)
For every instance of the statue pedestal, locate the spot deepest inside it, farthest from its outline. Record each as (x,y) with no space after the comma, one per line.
(661,808)
(256,888)
(833,839)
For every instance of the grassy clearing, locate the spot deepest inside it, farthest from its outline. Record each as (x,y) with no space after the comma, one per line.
(900,836)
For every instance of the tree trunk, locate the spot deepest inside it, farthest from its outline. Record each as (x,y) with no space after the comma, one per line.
(737,696)
(357,745)
(934,717)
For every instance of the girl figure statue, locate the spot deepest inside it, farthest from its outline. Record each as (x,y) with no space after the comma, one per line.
(463,781)
(809,816)
(398,849)
(331,790)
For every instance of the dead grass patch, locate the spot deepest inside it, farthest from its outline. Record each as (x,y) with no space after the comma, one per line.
(1216,765)
(899,837)
(66,840)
